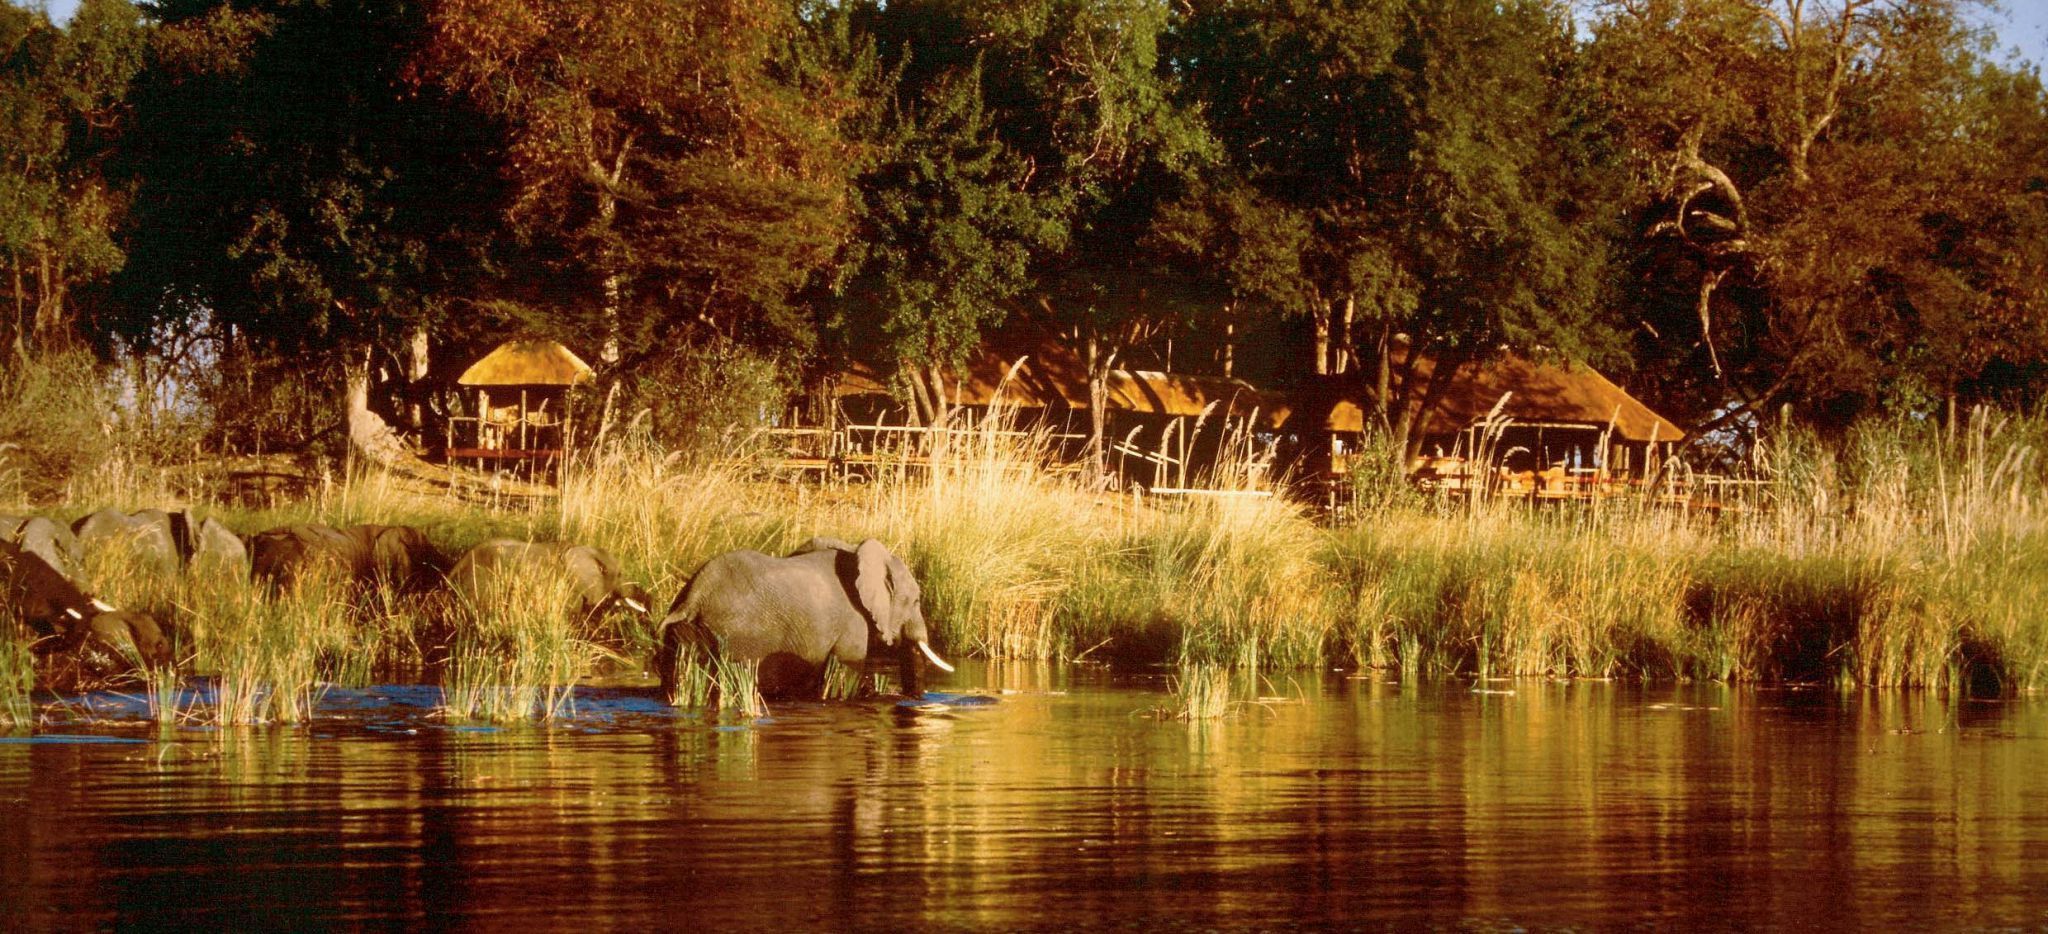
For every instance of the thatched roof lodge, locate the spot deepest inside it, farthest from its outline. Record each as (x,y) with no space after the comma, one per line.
(528,363)
(1560,417)
(1161,429)
(1054,379)
(521,406)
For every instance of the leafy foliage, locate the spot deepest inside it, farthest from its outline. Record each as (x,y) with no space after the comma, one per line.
(673,168)
(1834,203)
(63,98)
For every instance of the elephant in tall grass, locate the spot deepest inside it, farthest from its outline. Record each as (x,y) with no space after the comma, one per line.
(366,556)
(828,599)
(94,641)
(163,543)
(48,540)
(593,575)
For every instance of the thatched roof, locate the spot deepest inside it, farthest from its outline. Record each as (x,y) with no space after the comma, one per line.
(1051,376)
(1537,393)
(528,363)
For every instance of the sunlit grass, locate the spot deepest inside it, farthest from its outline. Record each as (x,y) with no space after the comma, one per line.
(517,653)
(1911,554)
(17,672)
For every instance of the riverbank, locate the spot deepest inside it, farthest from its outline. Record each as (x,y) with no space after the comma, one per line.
(1895,560)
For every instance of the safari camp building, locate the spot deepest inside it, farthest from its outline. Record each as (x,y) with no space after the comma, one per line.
(1548,430)
(1162,431)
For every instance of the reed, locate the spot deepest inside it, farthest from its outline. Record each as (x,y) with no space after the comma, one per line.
(17,672)
(269,657)
(1200,691)
(517,653)
(1906,554)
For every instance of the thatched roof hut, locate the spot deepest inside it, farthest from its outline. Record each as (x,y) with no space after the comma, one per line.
(528,363)
(1054,377)
(1538,394)
(522,412)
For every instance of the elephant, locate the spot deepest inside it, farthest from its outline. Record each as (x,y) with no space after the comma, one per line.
(150,537)
(165,542)
(826,599)
(593,574)
(95,637)
(216,548)
(46,539)
(395,556)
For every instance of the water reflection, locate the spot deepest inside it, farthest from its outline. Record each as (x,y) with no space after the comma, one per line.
(1335,799)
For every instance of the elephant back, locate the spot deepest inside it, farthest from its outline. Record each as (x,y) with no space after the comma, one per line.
(217,549)
(287,554)
(398,556)
(148,538)
(52,542)
(485,566)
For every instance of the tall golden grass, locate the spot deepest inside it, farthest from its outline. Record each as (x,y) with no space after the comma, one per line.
(1907,554)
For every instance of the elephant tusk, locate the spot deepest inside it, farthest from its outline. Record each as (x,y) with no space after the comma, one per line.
(634,605)
(102,605)
(940,663)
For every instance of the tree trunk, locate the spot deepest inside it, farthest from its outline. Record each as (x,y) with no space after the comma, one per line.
(1322,322)
(1383,377)
(417,368)
(368,433)
(1098,396)
(49,298)
(1342,351)
(1229,347)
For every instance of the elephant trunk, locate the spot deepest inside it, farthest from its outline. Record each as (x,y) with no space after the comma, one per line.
(910,672)
(912,667)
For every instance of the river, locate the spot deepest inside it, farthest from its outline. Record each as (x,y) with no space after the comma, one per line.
(1052,798)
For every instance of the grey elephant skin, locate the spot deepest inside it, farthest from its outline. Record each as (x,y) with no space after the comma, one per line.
(827,599)
(593,574)
(46,539)
(368,556)
(92,639)
(162,542)
(148,538)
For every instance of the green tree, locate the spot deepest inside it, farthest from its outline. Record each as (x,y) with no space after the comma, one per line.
(675,169)
(1826,199)
(63,100)
(1442,151)
(294,198)
(1082,104)
(946,229)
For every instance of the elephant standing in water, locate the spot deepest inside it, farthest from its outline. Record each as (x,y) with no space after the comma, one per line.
(394,556)
(593,575)
(827,599)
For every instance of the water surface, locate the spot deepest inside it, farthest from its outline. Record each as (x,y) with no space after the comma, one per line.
(1062,800)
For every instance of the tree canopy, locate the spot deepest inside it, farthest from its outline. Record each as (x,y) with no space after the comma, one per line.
(1731,205)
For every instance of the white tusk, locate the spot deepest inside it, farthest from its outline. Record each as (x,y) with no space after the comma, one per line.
(634,605)
(75,614)
(934,656)
(102,605)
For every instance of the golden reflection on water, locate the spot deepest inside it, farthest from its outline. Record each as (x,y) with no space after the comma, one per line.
(1074,800)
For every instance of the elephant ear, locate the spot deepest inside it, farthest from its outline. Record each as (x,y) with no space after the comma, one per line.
(872,583)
